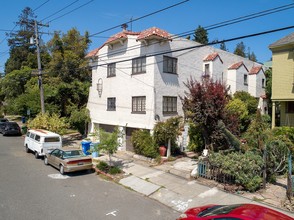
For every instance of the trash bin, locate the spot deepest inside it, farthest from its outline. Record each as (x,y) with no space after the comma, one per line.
(24,129)
(86,147)
(94,149)
(23,119)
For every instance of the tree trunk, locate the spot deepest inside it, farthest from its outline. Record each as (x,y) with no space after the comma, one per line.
(168,149)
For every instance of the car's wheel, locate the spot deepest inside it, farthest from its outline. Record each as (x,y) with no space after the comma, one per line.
(27,149)
(36,155)
(45,160)
(61,169)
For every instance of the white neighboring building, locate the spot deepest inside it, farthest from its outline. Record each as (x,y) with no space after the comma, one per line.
(137,78)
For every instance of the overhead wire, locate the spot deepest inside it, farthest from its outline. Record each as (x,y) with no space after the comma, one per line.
(136,19)
(221,24)
(62,9)
(41,5)
(70,11)
(208,44)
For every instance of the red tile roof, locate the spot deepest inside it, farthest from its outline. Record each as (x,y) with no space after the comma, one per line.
(255,70)
(92,53)
(236,66)
(212,57)
(121,35)
(154,32)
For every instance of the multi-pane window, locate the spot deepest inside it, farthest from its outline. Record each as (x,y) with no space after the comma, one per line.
(111,104)
(245,79)
(139,104)
(170,64)
(139,65)
(169,105)
(289,107)
(111,70)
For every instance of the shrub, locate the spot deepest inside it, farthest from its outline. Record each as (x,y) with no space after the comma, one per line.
(114,170)
(196,142)
(49,122)
(246,168)
(144,143)
(103,166)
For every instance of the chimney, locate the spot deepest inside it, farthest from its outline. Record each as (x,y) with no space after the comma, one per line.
(124,26)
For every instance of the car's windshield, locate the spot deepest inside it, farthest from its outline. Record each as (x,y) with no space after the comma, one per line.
(217,210)
(72,153)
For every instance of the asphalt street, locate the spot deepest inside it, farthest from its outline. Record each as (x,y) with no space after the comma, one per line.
(31,190)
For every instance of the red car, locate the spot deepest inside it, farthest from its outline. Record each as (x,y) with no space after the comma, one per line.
(233,212)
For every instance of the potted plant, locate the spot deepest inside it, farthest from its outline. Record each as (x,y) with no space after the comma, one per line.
(165,133)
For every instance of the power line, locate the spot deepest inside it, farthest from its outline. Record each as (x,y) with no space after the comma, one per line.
(71,11)
(136,19)
(245,18)
(208,44)
(41,5)
(67,6)
(225,23)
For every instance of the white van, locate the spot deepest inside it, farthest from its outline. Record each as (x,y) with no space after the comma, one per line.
(41,141)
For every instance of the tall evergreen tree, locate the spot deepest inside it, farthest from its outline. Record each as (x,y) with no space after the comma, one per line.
(223,46)
(252,56)
(201,35)
(240,49)
(19,43)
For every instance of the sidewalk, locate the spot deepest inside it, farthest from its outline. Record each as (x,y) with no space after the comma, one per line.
(169,184)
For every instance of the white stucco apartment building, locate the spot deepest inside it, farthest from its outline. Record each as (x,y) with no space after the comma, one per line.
(137,78)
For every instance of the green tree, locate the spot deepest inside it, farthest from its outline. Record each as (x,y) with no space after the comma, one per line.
(21,51)
(223,46)
(268,89)
(13,84)
(240,49)
(201,35)
(109,142)
(252,56)
(68,53)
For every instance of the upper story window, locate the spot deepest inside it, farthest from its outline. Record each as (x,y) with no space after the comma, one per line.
(111,104)
(139,65)
(263,83)
(206,69)
(289,107)
(139,104)
(245,79)
(111,70)
(170,64)
(169,105)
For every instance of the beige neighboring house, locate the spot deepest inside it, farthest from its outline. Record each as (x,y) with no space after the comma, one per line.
(283,81)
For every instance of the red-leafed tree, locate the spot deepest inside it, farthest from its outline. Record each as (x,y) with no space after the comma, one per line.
(204,104)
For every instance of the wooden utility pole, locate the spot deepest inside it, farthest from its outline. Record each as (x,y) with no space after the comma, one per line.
(36,41)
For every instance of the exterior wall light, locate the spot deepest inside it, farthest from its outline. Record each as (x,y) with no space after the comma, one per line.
(100,87)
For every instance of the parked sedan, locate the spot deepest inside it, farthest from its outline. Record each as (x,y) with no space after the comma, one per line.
(68,160)
(2,126)
(3,119)
(11,128)
(234,212)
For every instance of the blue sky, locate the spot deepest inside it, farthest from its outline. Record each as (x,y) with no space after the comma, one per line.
(97,15)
